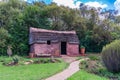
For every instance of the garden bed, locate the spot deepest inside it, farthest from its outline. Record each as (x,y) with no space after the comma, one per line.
(95,66)
(16,60)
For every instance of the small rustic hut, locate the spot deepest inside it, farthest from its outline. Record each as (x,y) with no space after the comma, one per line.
(49,42)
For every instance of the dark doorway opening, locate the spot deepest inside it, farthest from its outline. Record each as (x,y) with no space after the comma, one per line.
(48,42)
(63,48)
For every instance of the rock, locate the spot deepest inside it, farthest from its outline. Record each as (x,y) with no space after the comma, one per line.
(26,63)
(31,61)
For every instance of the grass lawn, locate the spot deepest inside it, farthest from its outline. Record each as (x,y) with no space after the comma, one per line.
(82,75)
(30,72)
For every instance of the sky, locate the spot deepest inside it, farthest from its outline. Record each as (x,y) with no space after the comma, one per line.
(108,4)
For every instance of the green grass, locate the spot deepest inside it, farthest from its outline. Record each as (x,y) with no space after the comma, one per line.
(82,75)
(29,72)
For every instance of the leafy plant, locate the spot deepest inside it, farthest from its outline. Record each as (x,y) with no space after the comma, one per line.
(111,56)
(82,46)
(83,64)
(15,59)
(92,57)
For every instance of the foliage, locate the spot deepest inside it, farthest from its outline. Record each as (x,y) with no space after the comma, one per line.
(91,66)
(10,61)
(104,72)
(15,59)
(4,37)
(97,67)
(111,56)
(82,46)
(100,71)
(94,57)
(83,64)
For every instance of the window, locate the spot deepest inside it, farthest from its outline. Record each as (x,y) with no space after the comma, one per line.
(48,42)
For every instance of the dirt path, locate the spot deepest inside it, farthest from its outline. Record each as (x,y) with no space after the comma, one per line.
(73,68)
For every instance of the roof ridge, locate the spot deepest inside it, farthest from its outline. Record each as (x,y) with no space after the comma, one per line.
(32,29)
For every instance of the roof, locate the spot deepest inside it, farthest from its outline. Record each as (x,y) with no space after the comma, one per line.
(51,31)
(38,35)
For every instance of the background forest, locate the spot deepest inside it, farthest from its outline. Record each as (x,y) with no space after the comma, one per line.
(94,27)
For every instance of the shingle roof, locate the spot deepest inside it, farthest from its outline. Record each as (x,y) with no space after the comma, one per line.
(42,36)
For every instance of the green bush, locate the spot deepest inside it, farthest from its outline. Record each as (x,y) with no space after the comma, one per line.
(15,59)
(82,46)
(83,64)
(111,56)
(94,57)
(91,66)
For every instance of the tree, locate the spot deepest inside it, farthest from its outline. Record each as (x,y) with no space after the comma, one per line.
(4,37)
(54,14)
(35,16)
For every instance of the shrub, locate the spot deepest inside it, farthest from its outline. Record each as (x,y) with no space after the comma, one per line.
(82,46)
(94,57)
(83,64)
(111,56)
(15,59)
(91,66)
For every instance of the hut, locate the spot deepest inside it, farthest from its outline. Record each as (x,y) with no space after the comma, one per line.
(49,42)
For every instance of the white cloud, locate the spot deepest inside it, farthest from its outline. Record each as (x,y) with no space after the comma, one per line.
(68,3)
(117,6)
(96,4)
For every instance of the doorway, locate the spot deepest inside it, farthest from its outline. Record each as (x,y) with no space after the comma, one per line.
(63,48)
